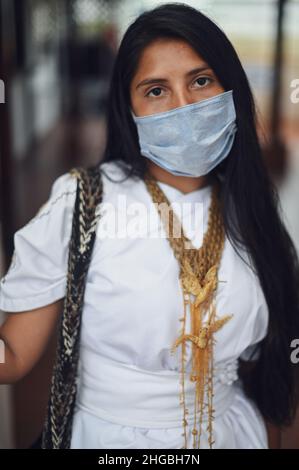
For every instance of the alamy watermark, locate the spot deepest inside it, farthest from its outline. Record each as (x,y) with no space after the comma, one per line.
(295,353)
(2,351)
(294,96)
(2,92)
(133,219)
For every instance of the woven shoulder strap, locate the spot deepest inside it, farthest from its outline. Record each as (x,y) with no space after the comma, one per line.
(57,429)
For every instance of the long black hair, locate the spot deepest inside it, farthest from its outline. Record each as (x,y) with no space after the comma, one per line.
(249,199)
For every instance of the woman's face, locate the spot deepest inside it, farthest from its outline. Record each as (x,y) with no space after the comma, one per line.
(171,74)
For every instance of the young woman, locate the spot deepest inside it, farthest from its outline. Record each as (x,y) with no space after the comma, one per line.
(182,346)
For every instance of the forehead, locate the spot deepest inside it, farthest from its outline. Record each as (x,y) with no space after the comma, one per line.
(167,55)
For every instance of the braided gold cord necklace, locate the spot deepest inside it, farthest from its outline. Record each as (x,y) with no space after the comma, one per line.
(198,278)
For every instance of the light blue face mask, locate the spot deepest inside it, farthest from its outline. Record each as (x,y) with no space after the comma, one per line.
(189,140)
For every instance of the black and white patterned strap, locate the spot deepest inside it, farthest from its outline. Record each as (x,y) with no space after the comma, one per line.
(57,429)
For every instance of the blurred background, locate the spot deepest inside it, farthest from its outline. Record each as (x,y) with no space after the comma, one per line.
(56,58)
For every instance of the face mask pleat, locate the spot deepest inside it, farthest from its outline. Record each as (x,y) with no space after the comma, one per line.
(190,140)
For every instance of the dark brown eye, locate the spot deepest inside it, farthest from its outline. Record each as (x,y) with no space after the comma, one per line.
(154,90)
(201,80)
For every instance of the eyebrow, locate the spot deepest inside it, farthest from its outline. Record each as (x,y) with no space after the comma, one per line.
(151,80)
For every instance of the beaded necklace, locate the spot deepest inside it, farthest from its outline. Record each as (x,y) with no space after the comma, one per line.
(198,278)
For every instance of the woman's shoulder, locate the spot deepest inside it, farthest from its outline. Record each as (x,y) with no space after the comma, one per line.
(61,195)
(37,272)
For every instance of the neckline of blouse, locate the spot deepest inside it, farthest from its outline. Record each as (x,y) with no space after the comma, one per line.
(174,194)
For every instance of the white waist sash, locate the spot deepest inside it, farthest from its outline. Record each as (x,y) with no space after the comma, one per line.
(128,395)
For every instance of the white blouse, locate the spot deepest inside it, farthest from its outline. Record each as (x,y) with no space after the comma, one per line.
(128,394)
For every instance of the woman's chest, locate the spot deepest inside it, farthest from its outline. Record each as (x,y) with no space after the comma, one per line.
(134,302)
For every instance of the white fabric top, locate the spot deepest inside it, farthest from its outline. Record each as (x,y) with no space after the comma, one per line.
(132,306)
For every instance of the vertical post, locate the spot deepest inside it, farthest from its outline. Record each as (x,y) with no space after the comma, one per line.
(276,152)
(278,64)
(7,212)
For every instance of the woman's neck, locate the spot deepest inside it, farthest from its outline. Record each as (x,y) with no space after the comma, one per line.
(185,184)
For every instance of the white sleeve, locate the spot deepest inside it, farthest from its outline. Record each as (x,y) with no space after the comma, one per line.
(258,327)
(38,270)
